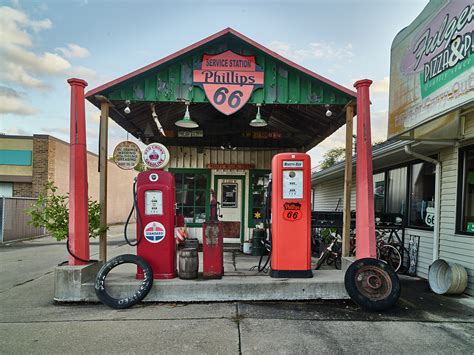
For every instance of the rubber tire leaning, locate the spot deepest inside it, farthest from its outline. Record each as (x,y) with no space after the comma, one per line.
(362,300)
(140,293)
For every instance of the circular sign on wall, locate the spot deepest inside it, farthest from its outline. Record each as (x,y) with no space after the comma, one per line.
(127,155)
(156,156)
(154,232)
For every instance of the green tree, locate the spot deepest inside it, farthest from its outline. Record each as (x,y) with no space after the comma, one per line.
(51,211)
(332,156)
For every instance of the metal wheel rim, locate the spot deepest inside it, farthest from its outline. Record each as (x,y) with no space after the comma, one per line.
(373,282)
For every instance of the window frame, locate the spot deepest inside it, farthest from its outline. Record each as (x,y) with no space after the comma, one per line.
(407,209)
(460,190)
(207,190)
(408,165)
(250,223)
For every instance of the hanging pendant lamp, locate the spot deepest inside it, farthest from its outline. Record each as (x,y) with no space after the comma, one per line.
(186,121)
(258,121)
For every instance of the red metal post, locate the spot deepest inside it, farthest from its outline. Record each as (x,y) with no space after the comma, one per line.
(78,213)
(365,216)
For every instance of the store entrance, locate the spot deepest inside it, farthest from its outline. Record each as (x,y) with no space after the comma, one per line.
(230,195)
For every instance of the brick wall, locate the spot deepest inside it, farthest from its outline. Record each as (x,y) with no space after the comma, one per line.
(22,189)
(43,162)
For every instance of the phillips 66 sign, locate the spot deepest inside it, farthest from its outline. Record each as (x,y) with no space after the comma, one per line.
(228,79)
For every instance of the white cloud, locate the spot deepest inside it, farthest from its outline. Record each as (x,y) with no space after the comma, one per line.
(314,50)
(380,86)
(17,131)
(24,66)
(74,51)
(12,102)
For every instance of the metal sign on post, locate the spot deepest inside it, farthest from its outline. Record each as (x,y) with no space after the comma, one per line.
(127,155)
(228,79)
(156,156)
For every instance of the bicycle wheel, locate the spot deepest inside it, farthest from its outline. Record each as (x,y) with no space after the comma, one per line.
(390,255)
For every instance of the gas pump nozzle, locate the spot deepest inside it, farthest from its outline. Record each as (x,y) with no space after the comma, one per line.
(213,205)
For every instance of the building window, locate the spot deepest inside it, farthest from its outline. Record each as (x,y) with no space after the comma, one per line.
(258,182)
(397,190)
(466,191)
(379,192)
(390,191)
(422,191)
(192,195)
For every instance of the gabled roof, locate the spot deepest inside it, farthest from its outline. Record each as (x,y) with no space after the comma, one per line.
(293,100)
(206,40)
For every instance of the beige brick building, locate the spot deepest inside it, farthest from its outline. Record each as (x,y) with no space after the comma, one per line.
(28,162)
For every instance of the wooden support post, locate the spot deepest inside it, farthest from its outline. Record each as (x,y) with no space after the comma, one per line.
(103,153)
(347,183)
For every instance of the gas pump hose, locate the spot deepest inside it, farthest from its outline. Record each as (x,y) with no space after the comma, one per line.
(75,256)
(139,220)
(267,227)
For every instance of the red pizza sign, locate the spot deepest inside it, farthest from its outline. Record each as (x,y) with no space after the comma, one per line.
(228,79)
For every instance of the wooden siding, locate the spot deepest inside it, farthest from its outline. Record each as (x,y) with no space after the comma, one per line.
(328,192)
(194,158)
(425,250)
(469,125)
(454,248)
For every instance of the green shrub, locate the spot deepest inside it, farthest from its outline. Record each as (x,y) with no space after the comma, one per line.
(51,211)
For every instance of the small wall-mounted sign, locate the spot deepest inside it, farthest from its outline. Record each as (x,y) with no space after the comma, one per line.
(156,156)
(262,135)
(470,227)
(230,166)
(430,216)
(228,79)
(127,155)
(229,195)
(191,134)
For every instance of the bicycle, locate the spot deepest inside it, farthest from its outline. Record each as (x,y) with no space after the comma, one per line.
(385,251)
(332,254)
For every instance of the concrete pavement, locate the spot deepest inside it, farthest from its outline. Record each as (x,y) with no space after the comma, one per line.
(30,322)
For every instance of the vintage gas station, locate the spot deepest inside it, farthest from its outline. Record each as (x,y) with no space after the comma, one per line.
(227,124)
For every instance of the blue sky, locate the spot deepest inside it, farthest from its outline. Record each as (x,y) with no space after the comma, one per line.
(42,43)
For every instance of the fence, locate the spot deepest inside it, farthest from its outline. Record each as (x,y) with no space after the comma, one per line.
(14,221)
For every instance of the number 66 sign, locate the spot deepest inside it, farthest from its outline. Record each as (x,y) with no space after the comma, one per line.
(430,216)
(228,79)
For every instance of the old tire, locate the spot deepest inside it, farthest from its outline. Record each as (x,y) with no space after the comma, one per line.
(138,294)
(372,284)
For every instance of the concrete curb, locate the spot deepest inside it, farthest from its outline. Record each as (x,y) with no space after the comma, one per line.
(324,285)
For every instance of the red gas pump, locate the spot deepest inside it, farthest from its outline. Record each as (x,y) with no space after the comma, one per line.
(155,204)
(213,244)
(291,215)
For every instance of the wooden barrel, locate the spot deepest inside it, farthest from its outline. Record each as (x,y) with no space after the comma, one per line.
(188,263)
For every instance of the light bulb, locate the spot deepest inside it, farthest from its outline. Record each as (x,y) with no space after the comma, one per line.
(127,110)
(328,113)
